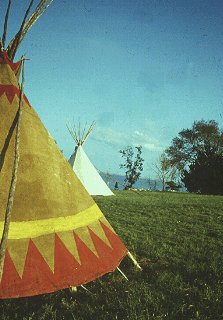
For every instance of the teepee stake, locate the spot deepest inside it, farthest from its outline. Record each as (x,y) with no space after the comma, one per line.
(122,273)
(83,287)
(134,260)
(9,206)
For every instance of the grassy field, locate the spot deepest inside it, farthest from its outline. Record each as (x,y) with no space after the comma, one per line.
(178,240)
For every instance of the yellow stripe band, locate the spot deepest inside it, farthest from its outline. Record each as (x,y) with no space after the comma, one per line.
(36,228)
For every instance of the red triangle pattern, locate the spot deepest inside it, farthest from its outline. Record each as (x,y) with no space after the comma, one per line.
(114,240)
(38,277)
(64,265)
(4,59)
(10,92)
(8,282)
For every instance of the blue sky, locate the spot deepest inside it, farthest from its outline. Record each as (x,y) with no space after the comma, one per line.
(143,70)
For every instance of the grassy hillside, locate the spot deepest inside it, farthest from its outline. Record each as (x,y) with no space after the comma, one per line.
(178,240)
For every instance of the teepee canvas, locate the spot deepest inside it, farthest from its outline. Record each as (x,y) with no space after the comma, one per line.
(57,236)
(82,166)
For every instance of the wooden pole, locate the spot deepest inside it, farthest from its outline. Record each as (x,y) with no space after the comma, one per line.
(16,41)
(6,24)
(8,212)
(122,273)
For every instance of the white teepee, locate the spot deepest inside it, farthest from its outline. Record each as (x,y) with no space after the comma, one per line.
(82,166)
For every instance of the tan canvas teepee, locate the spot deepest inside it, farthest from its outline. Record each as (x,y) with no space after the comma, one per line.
(82,166)
(57,235)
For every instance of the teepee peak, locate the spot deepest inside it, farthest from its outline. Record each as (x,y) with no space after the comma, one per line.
(79,133)
(29,19)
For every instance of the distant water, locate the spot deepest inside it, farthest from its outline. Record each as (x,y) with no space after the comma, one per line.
(141,183)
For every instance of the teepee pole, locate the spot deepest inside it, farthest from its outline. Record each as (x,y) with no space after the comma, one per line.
(6,24)
(16,42)
(134,260)
(89,131)
(8,212)
(27,24)
(122,273)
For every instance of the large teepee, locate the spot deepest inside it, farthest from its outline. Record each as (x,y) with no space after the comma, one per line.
(57,236)
(82,166)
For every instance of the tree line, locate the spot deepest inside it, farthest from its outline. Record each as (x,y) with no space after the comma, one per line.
(193,160)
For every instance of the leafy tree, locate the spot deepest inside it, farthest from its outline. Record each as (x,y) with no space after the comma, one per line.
(204,137)
(205,175)
(164,170)
(198,154)
(133,164)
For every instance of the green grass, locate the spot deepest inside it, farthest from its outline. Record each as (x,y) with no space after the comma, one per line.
(178,240)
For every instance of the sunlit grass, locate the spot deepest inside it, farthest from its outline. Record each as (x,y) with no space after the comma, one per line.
(178,240)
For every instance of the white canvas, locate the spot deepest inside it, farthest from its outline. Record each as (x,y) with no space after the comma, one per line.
(88,174)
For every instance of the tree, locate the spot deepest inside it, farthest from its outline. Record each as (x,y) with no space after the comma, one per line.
(172,185)
(205,175)
(133,165)
(204,137)
(197,153)
(164,170)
